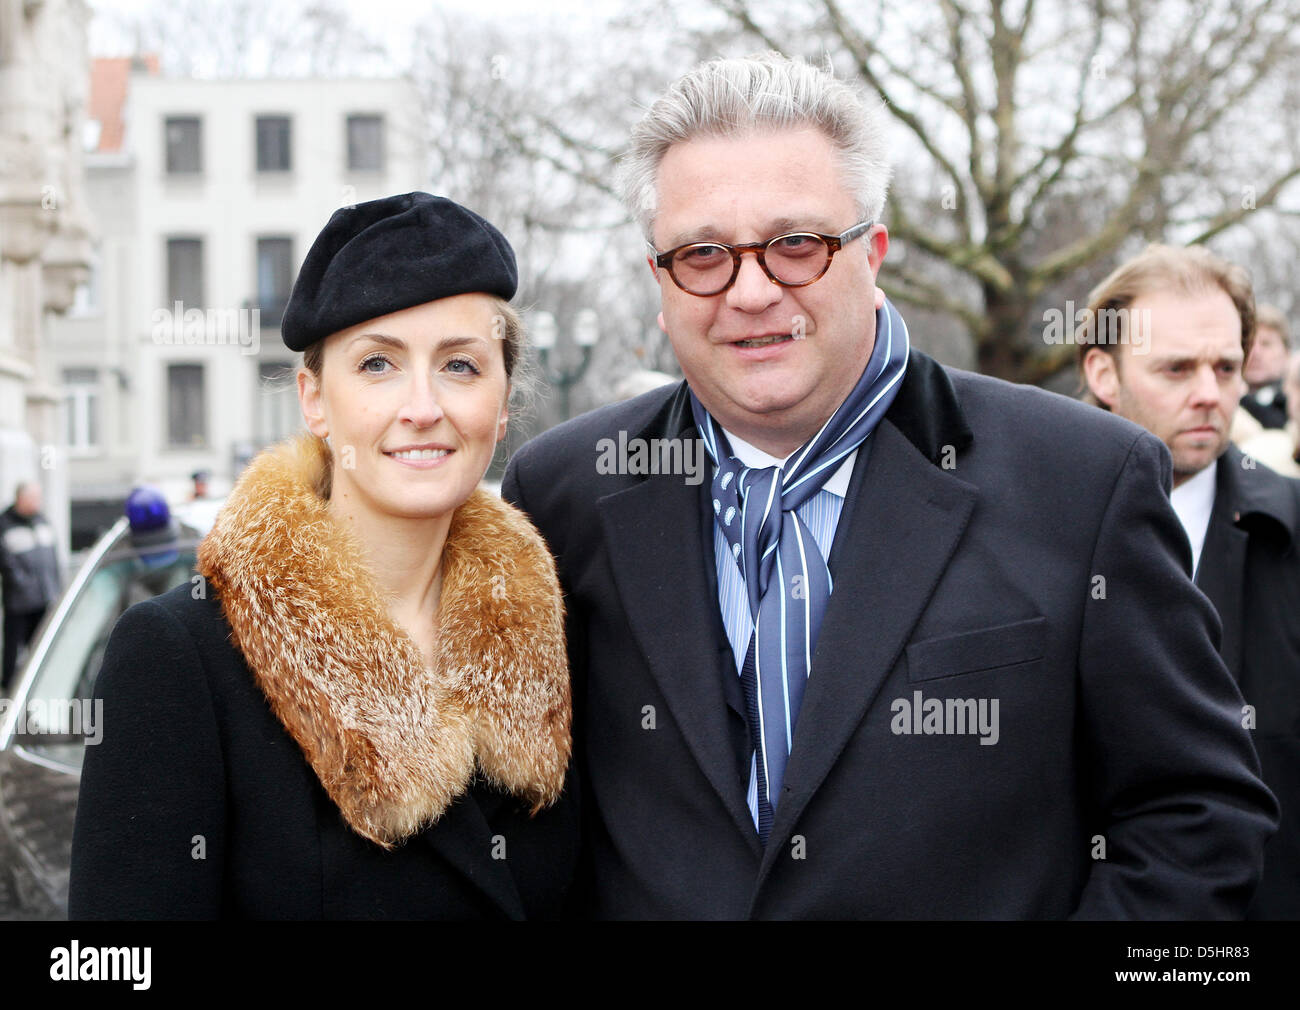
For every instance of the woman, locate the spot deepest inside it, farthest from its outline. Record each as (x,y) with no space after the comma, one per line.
(362,709)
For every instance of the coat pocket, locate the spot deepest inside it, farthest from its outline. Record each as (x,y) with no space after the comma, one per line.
(972,651)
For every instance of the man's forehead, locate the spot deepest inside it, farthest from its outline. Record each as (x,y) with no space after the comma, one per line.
(1203,352)
(1177,324)
(749,187)
(779,223)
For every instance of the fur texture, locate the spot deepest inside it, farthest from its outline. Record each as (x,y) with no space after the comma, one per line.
(392,743)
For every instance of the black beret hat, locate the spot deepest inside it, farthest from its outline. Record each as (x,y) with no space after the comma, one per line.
(386,255)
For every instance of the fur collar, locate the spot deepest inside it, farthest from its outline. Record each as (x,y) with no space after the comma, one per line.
(391,744)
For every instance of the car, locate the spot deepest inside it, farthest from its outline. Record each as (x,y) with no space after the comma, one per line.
(50,719)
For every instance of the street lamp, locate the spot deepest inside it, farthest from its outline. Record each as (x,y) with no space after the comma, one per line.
(585,333)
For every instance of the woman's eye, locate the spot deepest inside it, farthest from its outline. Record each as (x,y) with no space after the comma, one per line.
(366,363)
(462,366)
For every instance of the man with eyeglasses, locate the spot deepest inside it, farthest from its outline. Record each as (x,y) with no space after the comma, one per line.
(923,644)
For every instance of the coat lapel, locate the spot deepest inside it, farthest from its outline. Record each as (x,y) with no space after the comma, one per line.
(901,524)
(1246,503)
(890,551)
(1222,566)
(655,530)
(463,838)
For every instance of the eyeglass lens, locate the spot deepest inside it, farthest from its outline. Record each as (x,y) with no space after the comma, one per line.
(793,259)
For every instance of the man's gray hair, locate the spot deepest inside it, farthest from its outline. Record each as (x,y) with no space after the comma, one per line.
(736,97)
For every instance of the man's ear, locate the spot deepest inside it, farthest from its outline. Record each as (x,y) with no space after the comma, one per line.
(309,399)
(661,322)
(654,268)
(877,245)
(1101,372)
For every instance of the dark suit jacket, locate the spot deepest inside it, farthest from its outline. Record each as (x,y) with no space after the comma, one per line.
(1250,570)
(997,542)
(191,747)
(1271,414)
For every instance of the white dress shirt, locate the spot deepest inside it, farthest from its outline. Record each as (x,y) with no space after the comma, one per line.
(1193,500)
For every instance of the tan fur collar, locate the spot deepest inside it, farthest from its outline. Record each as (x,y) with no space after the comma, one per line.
(391,744)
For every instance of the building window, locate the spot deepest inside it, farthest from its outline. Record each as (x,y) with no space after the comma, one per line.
(278,415)
(187,414)
(91,131)
(365,143)
(86,298)
(81,403)
(185,272)
(273,143)
(274,278)
(184,142)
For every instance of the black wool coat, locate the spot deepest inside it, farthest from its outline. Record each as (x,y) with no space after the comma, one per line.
(1250,570)
(274,748)
(997,543)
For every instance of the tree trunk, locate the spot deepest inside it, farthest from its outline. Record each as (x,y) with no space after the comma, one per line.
(1004,349)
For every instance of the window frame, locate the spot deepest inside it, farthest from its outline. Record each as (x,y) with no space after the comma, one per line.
(382,158)
(170,168)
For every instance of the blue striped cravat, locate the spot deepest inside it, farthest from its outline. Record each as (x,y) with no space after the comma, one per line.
(755,510)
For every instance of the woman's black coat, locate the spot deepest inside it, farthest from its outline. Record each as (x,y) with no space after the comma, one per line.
(199,803)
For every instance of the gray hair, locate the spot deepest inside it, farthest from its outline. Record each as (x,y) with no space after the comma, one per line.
(734,97)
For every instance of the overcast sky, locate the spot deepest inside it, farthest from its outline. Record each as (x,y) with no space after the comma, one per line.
(392,19)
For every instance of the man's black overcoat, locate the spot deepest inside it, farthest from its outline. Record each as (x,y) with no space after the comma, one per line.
(997,543)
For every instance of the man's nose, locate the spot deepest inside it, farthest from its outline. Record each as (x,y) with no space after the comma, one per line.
(1205,388)
(753,290)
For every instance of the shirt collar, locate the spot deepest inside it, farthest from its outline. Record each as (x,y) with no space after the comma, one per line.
(755,458)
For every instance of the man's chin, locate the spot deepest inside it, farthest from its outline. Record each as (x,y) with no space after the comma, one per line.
(1188,464)
(765,403)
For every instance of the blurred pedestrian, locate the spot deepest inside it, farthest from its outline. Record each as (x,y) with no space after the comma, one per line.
(1279,448)
(200,479)
(29,572)
(1265,369)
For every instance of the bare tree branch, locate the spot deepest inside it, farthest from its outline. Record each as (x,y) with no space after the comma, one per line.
(1226,219)
(906,287)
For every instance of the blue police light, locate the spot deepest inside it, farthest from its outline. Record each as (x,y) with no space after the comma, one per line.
(147,511)
(154,533)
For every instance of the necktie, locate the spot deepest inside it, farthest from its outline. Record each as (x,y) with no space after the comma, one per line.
(749,684)
(786,578)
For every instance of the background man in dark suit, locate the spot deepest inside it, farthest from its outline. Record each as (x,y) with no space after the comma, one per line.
(1242,519)
(912,642)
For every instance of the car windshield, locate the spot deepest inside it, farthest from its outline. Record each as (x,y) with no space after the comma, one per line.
(59,716)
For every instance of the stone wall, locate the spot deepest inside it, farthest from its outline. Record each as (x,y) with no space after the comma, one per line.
(44,231)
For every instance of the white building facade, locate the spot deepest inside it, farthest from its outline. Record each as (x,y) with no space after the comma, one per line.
(172,362)
(44,234)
